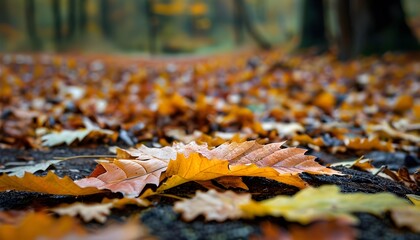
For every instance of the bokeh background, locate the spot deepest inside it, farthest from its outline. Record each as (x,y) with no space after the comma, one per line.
(164,26)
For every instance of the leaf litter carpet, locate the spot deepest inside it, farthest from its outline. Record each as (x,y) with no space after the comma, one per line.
(262,126)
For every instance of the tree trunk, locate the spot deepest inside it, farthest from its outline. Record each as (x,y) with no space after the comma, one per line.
(313,26)
(55,7)
(82,15)
(243,19)
(152,24)
(105,22)
(31,24)
(345,38)
(71,19)
(383,29)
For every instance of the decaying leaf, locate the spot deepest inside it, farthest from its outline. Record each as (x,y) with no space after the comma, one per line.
(323,203)
(42,226)
(415,199)
(213,205)
(88,212)
(50,184)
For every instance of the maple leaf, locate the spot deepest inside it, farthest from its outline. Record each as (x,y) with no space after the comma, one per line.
(213,205)
(198,168)
(286,160)
(50,184)
(324,203)
(20,171)
(88,212)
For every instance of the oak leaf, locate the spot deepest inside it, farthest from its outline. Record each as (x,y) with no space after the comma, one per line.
(51,184)
(213,205)
(323,203)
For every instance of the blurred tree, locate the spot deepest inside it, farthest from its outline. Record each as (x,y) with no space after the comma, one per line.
(55,8)
(242,21)
(31,24)
(72,18)
(365,27)
(82,12)
(152,23)
(313,34)
(106,25)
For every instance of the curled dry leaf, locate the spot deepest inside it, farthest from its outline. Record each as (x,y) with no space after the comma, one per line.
(51,184)
(213,205)
(323,203)
(88,212)
(369,144)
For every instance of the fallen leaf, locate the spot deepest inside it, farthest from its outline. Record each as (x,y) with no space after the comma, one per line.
(407,216)
(326,101)
(41,226)
(328,230)
(284,160)
(323,203)
(368,144)
(20,171)
(88,212)
(361,164)
(283,129)
(385,129)
(415,199)
(125,175)
(70,136)
(50,184)
(232,182)
(213,205)
(198,168)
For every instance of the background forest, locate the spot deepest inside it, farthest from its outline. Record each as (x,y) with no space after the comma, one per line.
(159,26)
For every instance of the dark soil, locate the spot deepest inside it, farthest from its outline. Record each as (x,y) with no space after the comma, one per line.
(166,224)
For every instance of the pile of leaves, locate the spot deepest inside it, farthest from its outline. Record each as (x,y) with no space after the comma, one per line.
(203,135)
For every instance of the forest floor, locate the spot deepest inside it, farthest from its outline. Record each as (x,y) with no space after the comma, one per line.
(338,112)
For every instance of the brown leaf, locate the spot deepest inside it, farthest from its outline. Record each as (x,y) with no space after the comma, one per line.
(286,160)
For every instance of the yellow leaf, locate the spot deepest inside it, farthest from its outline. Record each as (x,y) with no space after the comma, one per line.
(404,103)
(414,198)
(50,184)
(199,168)
(42,226)
(325,101)
(284,160)
(324,203)
(232,182)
